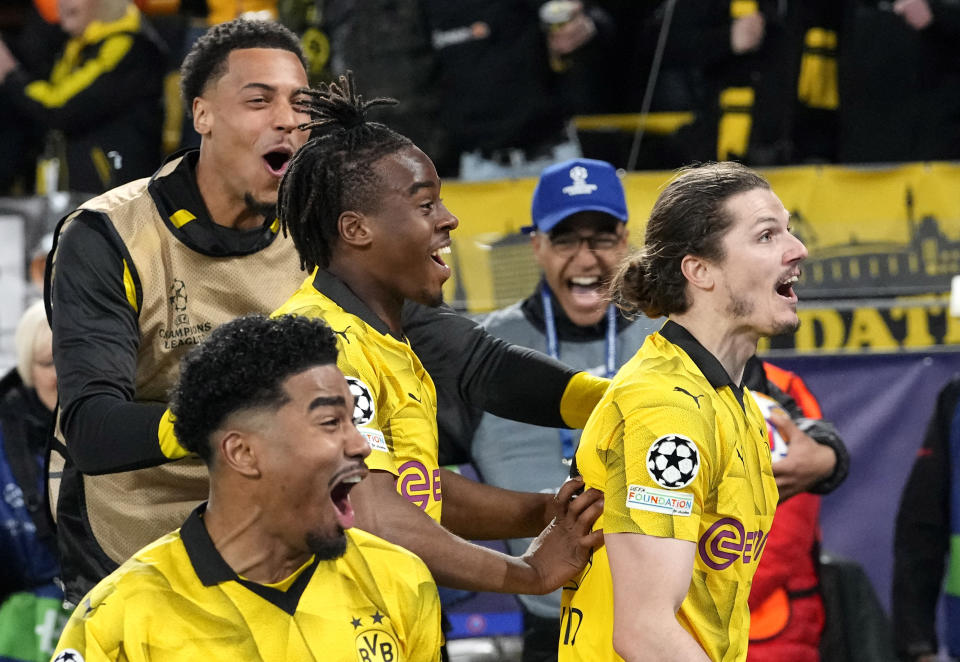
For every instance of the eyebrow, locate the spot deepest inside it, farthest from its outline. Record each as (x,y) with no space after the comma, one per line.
(326,401)
(260,86)
(416,186)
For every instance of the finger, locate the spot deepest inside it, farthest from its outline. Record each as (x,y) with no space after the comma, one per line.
(784,424)
(593,540)
(586,519)
(569,489)
(586,500)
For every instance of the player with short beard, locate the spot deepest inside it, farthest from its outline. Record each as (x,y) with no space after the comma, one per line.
(269,568)
(677,444)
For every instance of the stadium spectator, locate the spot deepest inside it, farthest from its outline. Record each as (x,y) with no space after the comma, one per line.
(362,204)
(31,615)
(101,104)
(519,126)
(269,568)
(928,523)
(680,452)
(145,272)
(937,122)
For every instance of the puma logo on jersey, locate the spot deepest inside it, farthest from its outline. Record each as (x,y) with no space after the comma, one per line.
(343,333)
(696,398)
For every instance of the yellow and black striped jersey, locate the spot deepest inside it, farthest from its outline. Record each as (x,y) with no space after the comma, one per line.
(177,599)
(679,452)
(396,406)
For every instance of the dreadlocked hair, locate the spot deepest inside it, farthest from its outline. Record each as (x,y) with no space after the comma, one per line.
(333,172)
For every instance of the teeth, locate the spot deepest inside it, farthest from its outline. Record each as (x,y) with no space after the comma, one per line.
(351,479)
(446,250)
(790,281)
(581,280)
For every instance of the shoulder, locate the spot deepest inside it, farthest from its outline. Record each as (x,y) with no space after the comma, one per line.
(142,577)
(392,561)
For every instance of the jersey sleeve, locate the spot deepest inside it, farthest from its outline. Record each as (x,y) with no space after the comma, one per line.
(372,405)
(658,454)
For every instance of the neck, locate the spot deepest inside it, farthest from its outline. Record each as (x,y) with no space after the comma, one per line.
(240,529)
(730,345)
(226,208)
(379,297)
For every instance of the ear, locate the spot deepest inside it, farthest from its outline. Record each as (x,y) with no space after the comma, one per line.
(698,272)
(355,229)
(539,242)
(202,116)
(238,453)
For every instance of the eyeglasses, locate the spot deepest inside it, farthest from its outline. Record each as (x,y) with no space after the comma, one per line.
(568,244)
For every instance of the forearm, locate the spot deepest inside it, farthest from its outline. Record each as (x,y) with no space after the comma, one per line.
(453,561)
(506,380)
(654,637)
(478,511)
(106,434)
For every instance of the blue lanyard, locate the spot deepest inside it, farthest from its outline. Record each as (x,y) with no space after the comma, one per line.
(553,349)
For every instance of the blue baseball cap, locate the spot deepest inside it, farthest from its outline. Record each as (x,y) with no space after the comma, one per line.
(574,186)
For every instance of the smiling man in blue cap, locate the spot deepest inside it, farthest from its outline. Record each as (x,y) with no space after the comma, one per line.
(578,236)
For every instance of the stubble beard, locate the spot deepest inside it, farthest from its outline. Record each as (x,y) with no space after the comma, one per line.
(741,307)
(328,548)
(266,209)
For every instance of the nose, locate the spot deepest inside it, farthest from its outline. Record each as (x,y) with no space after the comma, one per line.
(448,221)
(796,252)
(584,255)
(356,445)
(286,118)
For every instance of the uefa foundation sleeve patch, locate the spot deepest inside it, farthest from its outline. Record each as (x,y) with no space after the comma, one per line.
(641,497)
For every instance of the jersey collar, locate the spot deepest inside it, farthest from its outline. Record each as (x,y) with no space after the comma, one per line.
(174,191)
(708,364)
(211,569)
(340,293)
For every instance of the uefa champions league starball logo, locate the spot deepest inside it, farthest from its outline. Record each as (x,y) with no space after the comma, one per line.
(673,461)
(363,409)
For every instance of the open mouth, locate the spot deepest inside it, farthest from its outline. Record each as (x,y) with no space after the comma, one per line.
(785,287)
(340,496)
(435,255)
(277,161)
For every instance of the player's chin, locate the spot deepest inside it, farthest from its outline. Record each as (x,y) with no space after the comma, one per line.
(328,546)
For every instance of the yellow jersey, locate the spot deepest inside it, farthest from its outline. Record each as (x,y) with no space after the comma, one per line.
(396,401)
(679,452)
(177,599)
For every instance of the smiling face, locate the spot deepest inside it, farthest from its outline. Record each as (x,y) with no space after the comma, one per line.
(578,257)
(760,264)
(248,120)
(412,228)
(310,454)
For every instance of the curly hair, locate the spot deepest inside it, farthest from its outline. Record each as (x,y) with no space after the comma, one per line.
(242,365)
(333,171)
(207,59)
(688,218)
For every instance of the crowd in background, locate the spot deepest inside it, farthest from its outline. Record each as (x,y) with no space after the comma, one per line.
(503,89)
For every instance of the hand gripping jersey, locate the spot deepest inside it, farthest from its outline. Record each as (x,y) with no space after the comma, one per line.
(177,599)
(396,402)
(680,452)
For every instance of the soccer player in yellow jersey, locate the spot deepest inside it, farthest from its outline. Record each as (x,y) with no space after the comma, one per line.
(676,444)
(363,206)
(269,567)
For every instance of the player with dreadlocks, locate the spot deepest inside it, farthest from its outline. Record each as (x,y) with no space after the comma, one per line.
(362,204)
